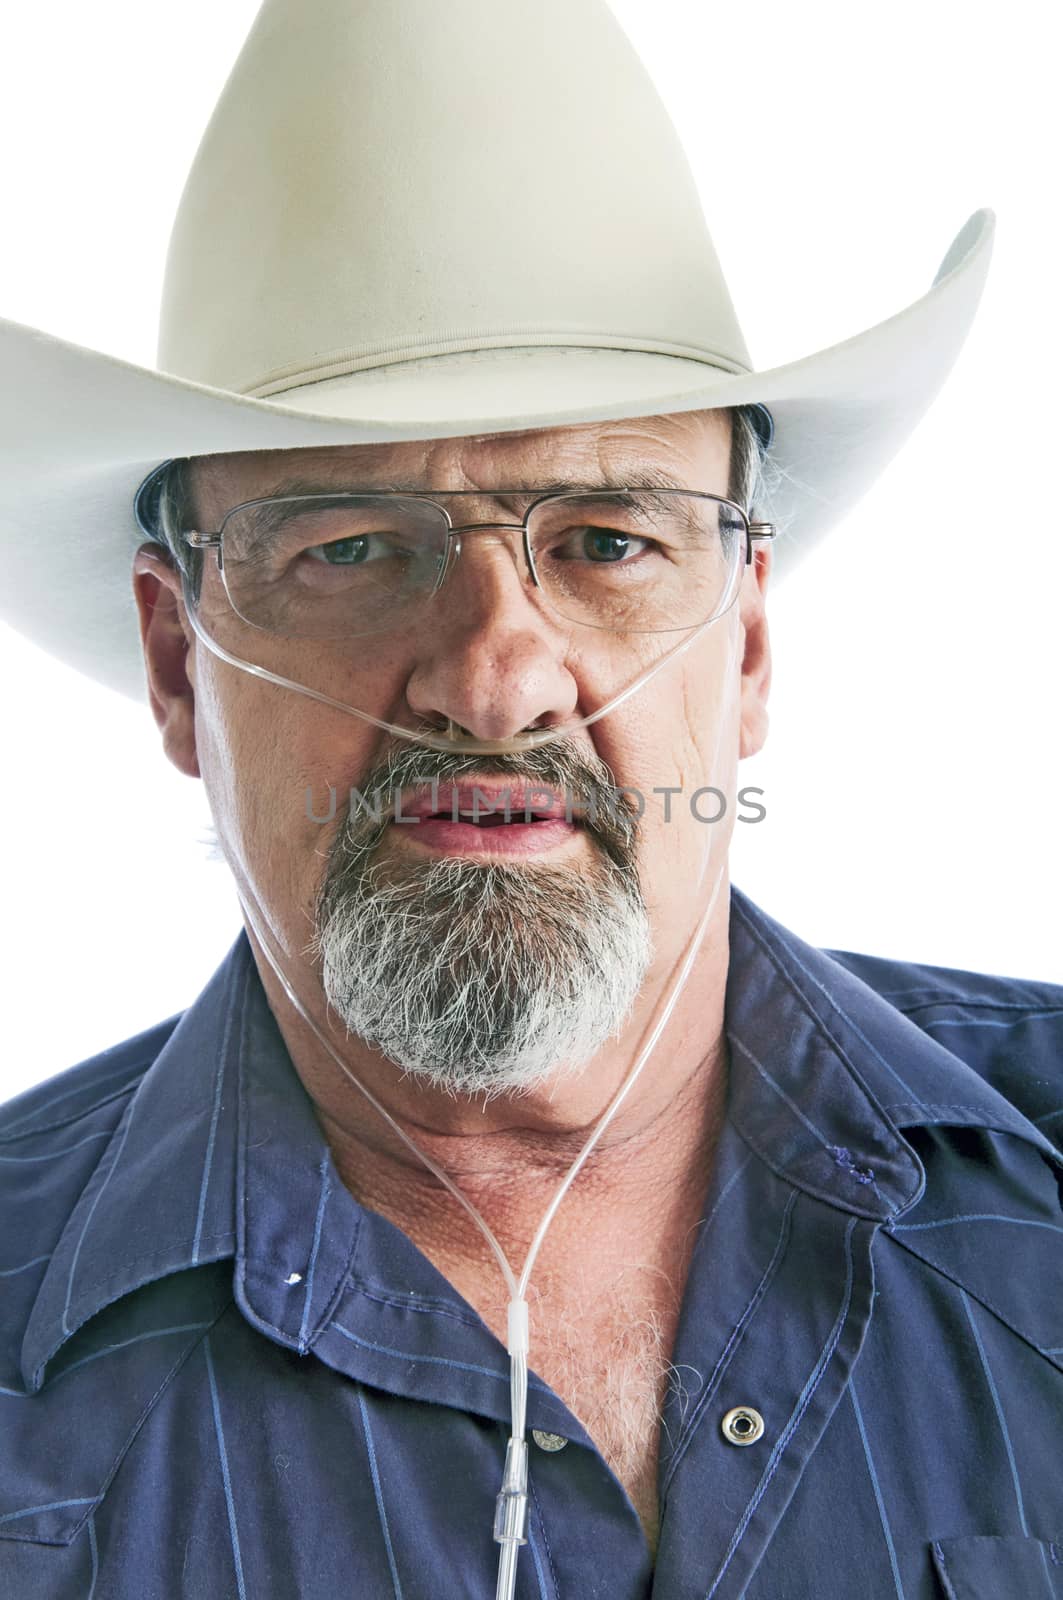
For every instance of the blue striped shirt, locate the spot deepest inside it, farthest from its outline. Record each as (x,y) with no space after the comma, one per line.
(222,1377)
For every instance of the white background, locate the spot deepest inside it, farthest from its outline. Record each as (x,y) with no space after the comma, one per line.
(912,776)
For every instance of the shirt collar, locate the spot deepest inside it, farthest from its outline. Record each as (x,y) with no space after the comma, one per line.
(829,1040)
(219,1153)
(161,1198)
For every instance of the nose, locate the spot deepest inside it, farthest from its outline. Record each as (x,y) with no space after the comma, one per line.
(490,657)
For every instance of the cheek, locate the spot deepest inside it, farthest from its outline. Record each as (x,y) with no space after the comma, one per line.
(694,728)
(255,758)
(695,717)
(264,743)
(279,768)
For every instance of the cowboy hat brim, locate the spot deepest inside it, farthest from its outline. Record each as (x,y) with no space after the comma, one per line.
(82,429)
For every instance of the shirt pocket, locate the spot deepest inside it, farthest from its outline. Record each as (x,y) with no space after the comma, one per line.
(34,1571)
(998,1567)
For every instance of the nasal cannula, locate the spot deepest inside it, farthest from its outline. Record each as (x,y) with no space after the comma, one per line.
(511,1505)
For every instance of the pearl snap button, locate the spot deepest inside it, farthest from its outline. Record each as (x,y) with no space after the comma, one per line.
(742,1425)
(551,1442)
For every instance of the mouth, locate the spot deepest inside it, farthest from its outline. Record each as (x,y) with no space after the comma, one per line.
(487,819)
(462,819)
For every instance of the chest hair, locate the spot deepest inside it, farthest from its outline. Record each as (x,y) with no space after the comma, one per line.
(609,1359)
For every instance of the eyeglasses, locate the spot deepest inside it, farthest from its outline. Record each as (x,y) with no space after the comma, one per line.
(337,566)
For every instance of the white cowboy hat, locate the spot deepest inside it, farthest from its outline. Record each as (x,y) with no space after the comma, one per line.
(411,220)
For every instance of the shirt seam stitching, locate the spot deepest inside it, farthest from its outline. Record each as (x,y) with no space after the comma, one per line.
(103,1284)
(896,998)
(124,1448)
(78,1116)
(333,1299)
(967,1288)
(872,1103)
(419,1303)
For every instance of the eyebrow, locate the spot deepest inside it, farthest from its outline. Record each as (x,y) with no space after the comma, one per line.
(269,518)
(644,477)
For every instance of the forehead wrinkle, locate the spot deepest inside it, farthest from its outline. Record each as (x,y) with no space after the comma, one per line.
(622,462)
(584,456)
(588,455)
(573,455)
(679,433)
(298,471)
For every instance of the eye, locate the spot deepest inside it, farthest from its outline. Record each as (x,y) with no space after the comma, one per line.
(347,552)
(600,545)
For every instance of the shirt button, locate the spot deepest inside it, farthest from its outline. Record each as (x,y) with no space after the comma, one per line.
(551,1442)
(742,1425)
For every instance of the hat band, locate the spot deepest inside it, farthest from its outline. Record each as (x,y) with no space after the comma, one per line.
(343,362)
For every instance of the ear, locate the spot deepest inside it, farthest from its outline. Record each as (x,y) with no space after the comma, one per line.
(756,658)
(166,637)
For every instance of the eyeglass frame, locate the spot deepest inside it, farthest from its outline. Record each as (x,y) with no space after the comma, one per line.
(755,530)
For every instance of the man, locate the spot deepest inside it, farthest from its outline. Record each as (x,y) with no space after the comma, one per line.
(454,595)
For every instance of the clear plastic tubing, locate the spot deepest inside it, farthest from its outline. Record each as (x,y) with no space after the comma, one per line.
(440,741)
(511,1506)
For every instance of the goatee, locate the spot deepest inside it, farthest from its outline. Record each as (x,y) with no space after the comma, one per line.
(474,975)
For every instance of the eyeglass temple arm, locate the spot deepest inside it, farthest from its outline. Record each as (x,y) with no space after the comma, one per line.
(758,530)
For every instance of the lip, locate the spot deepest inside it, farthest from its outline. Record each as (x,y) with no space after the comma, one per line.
(514,839)
(452,801)
(445,813)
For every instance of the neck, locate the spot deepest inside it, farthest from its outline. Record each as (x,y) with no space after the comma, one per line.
(509,1155)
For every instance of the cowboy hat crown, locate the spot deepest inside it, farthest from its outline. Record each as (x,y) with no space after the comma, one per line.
(397,179)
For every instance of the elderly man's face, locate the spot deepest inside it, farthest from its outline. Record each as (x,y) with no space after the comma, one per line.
(483,966)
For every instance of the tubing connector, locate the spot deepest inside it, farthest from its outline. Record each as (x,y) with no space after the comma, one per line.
(511,1506)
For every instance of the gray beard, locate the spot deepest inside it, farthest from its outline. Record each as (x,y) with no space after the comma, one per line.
(483,978)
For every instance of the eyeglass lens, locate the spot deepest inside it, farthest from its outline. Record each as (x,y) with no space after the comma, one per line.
(333,567)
